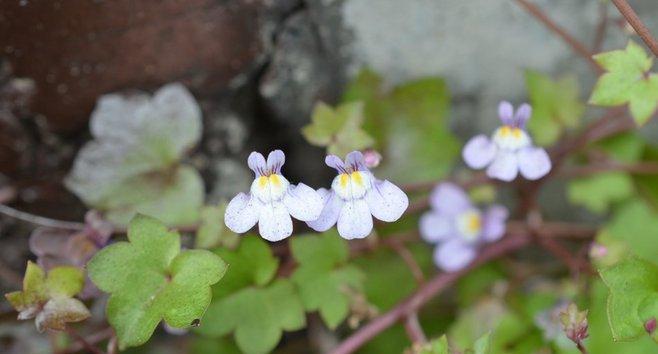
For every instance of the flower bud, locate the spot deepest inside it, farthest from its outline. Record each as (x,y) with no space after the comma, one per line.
(574,323)
(650,325)
(372,158)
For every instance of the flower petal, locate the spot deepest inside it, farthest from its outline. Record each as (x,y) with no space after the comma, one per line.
(275,160)
(386,201)
(505,112)
(330,211)
(493,227)
(355,160)
(534,163)
(479,151)
(434,227)
(274,222)
(354,220)
(303,202)
(454,255)
(504,167)
(449,199)
(256,163)
(334,161)
(242,213)
(523,113)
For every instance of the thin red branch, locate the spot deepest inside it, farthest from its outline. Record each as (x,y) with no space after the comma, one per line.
(577,46)
(425,293)
(601,27)
(91,339)
(631,16)
(414,329)
(85,344)
(40,220)
(408,259)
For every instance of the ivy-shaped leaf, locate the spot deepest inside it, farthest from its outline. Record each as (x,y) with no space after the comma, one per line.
(324,278)
(555,106)
(49,298)
(627,80)
(339,130)
(599,191)
(633,297)
(636,224)
(150,279)
(249,303)
(133,163)
(212,231)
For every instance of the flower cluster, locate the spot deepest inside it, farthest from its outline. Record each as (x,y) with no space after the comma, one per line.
(510,150)
(355,197)
(458,227)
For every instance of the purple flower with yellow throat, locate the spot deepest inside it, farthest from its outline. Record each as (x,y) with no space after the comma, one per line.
(510,150)
(271,201)
(458,227)
(355,197)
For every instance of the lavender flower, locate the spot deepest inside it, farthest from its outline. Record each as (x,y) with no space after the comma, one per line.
(459,227)
(510,149)
(272,200)
(355,195)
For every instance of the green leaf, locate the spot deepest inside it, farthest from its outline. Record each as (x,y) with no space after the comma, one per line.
(325,281)
(483,344)
(636,224)
(133,164)
(598,192)
(627,80)
(252,263)
(555,106)
(258,316)
(633,298)
(49,298)
(435,346)
(339,130)
(212,232)
(150,279)
(410,124)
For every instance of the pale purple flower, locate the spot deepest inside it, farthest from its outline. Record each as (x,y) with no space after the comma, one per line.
(458,227)
(272,200)
(355,197)
(510,149)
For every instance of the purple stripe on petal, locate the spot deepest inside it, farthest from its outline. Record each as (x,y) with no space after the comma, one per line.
(386,201)
(274,222)
(330,211)
(479,151)
(434,227)
(275,160)
(454,255)
(534,162)
(504,167)
(354,160)
(354,220)
(334,161)
(256,163)
(506,112)
(449,199)
(523,113)
(493,227)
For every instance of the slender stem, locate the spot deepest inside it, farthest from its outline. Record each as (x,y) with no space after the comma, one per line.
(581,347)
(577,46)
(83,341)
(425,293)
(414,329)
(92,339)
(40,220)
(408,259)
(601,28)
(631,16)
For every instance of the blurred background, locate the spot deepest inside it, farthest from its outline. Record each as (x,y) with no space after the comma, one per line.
(257,68)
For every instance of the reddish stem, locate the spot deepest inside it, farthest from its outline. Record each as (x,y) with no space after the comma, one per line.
(631,16)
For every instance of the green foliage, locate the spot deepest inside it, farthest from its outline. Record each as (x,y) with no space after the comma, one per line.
(599,191)
(49,298)
(133,164)
(249,303)
(436,346)
(212,231)
(409,124)
(627,80)
(636,224)
(150,279)
(325,281)
(339,130)
(555,106)
(633,297)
